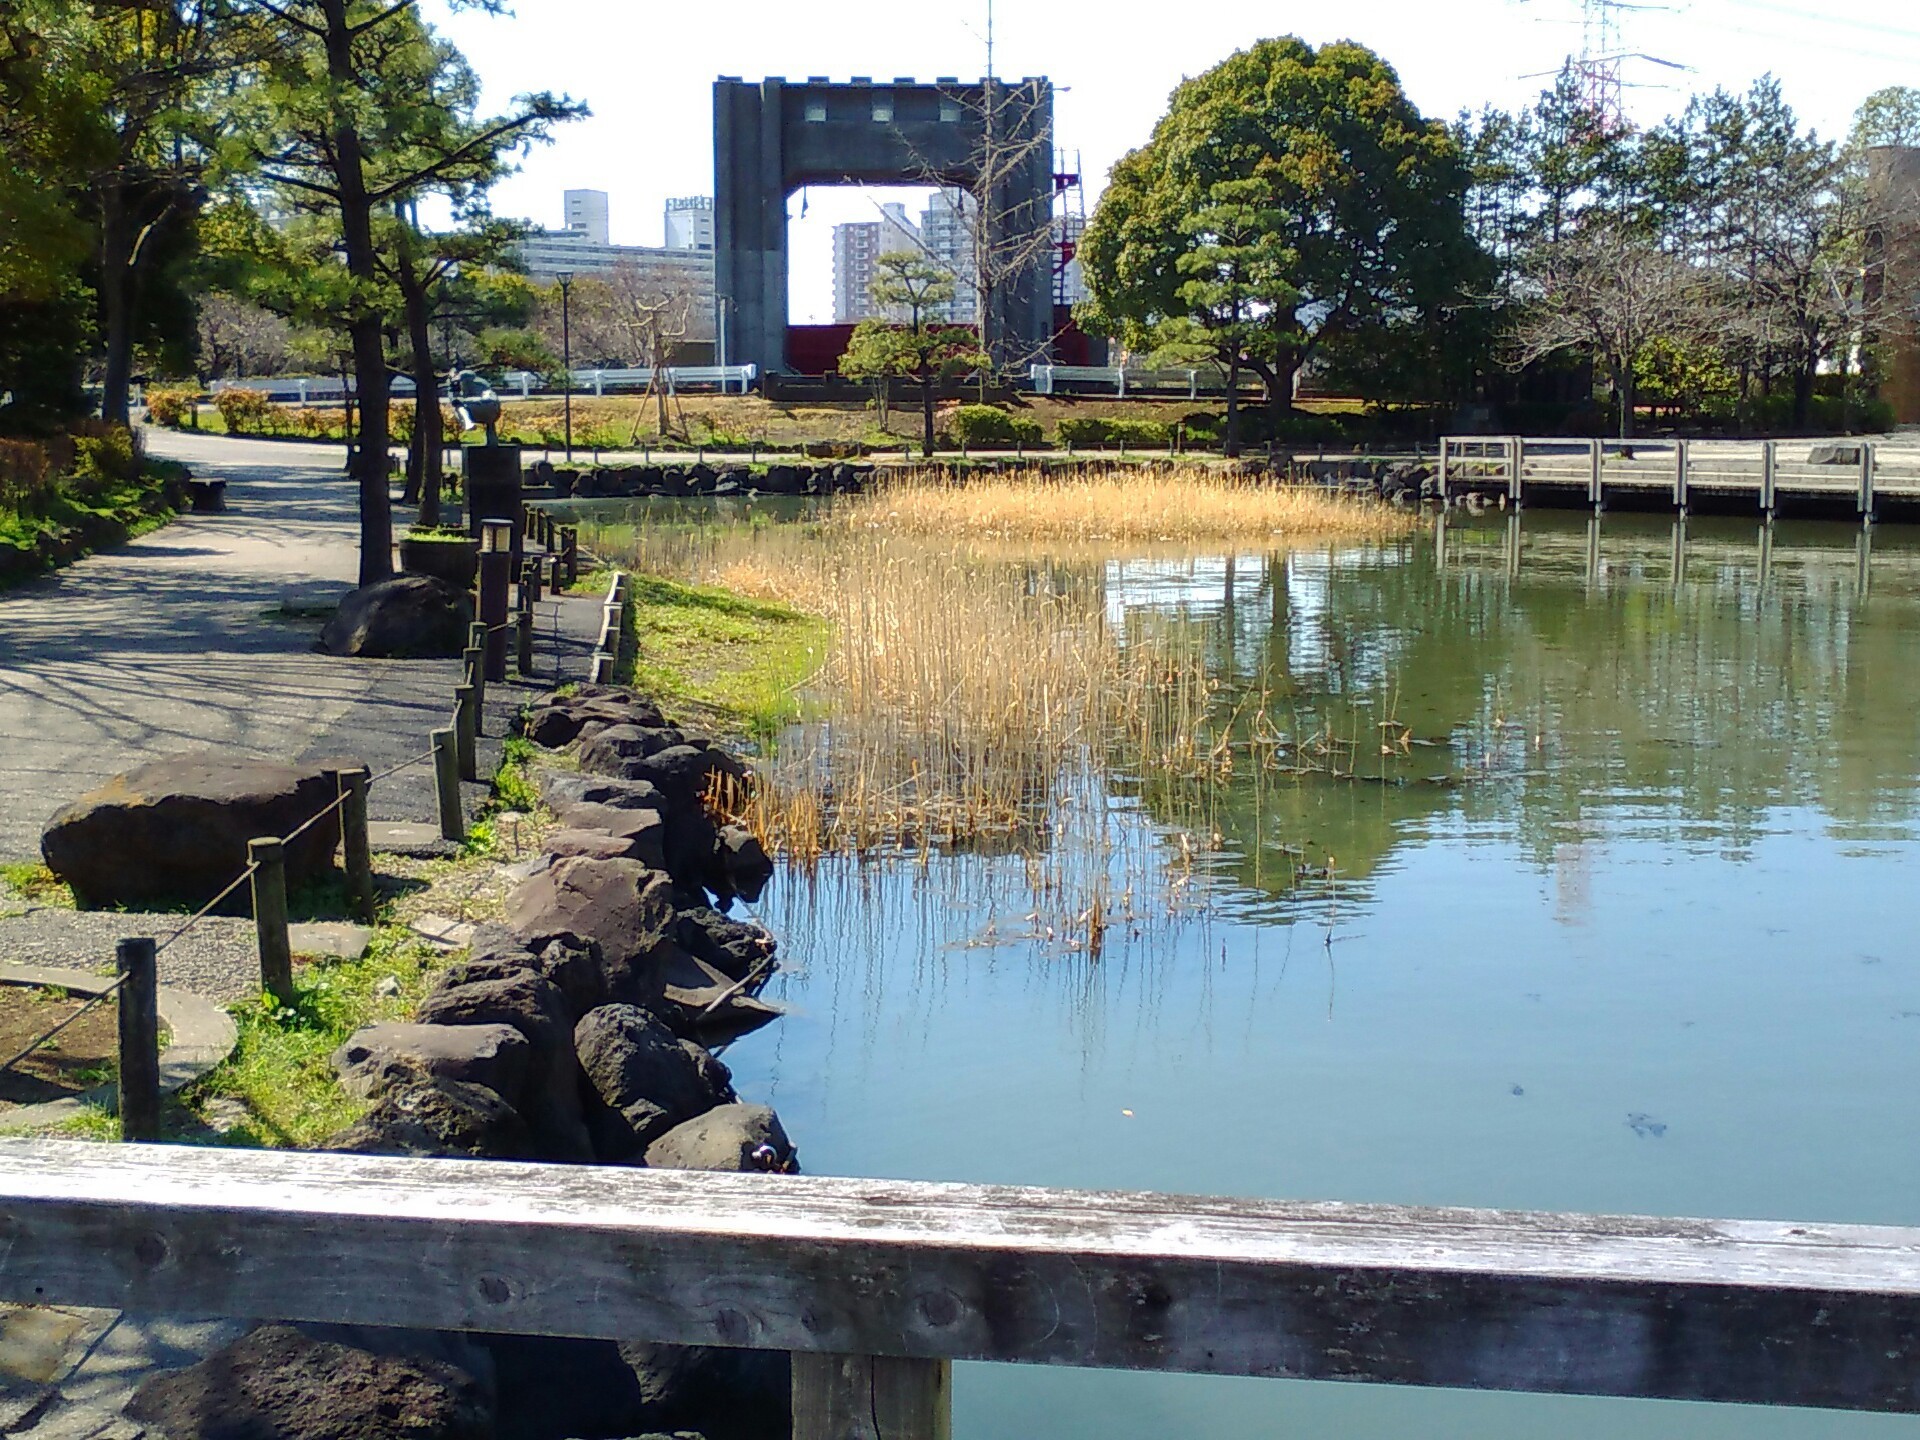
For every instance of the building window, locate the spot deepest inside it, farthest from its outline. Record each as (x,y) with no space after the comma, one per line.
(949,109)
(816,110)
(883,111)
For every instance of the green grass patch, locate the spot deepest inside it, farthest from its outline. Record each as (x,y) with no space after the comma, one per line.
(739,662)
(35,883)
(281,1068)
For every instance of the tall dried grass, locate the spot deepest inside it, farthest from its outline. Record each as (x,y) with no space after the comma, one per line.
(1191,504)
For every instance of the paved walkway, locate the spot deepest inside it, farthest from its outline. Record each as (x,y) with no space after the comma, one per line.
(181,641)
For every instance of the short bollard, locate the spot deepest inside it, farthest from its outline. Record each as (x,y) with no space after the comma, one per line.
(466,730)
(555,566)
(446,785)
(570,551)
(523,657)
(602,670)
(139,1040)
(269,859)
(530,583)
(355,845)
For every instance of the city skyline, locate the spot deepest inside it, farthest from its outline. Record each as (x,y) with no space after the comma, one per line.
(1112,86)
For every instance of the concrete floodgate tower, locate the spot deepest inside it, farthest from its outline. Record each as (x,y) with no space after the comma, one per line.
(772,137)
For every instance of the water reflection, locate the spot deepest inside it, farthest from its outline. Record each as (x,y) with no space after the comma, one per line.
(1627,932)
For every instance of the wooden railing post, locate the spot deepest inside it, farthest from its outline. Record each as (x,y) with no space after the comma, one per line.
(871,1397)
(1866,483)
(1680,475)
(1769,476)
(446,785)
(269,859)
(139,1002)
(355,846)
(530,582)
(570,552)
(466,730)
(473,674)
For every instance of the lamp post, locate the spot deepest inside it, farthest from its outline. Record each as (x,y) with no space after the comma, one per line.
(565,277)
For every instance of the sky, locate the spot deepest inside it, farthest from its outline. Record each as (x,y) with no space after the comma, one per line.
(647,69)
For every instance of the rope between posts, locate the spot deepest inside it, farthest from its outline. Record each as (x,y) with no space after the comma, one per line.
(96,1001)
(207,909)
(419,759)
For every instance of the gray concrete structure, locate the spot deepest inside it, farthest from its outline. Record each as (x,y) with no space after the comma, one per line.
(772,137)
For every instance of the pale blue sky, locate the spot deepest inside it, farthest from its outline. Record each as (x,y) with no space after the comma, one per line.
(647,71)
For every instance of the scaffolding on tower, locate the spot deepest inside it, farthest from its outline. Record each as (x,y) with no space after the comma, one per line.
(1069,222)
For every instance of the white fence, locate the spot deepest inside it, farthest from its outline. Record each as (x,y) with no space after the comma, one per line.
(317,389)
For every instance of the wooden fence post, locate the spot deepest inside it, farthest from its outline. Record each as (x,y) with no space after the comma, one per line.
(1680,477)
(355,846)
(1769,476)
(871,1397)
(473,666)
(570,551)
(139,1039)
(530,583)
(446,785)
(466,730)
(1866,483)
(269,859)
(496,578)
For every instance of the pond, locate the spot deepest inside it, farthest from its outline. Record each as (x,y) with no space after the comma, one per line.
(1613,921)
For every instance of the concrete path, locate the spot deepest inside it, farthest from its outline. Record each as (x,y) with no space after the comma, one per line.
(181,641)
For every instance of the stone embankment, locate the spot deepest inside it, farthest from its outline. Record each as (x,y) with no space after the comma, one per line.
(700,477)
(576,1031)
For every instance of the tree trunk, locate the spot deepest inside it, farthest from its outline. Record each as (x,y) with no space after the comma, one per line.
(1623,391)
(116,303)
(926,419)
(369,353)
(426,401)
(1803,391)
(1232,444)
(1280,396)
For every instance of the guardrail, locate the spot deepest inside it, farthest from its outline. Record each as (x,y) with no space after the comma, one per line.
(307,389)
(874,1286)
(1679,471)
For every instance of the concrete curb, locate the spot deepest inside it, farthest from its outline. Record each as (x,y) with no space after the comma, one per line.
(202,1035)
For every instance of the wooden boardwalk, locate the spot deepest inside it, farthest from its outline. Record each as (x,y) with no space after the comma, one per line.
(875,1286)
(1852,477)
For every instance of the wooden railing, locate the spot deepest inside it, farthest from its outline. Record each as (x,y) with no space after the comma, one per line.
(874,1285)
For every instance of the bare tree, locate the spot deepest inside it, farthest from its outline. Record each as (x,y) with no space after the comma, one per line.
(1607,291)
(238,339)
(651,311)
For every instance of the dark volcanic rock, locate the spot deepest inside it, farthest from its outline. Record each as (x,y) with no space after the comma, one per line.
(646,1076)
(410,617)
(278,1384)
(588,845)
(535,1007)
(415,1113)
(496,1056)
(744,1138)
(620,905)
(566,787)
(642,832)
(741,864)
(612,750)
(175,832)
(556,1389)
(734,947)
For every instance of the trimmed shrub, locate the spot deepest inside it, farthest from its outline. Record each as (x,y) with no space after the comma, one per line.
(246,412)
(1082,430)
(105,458)
(170,407)
(982,426)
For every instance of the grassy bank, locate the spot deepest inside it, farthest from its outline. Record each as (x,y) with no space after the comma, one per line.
(63,500)
(731,663)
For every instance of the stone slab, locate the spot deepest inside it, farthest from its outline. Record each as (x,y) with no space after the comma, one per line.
(334,939)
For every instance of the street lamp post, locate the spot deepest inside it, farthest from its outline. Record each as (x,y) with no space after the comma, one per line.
(565,277)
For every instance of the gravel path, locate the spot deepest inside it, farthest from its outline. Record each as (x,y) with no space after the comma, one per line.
(183,641)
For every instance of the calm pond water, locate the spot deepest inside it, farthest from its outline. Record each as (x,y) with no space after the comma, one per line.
(1626,931)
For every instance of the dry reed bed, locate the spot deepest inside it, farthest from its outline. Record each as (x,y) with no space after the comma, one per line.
(1191,503)
(979,692)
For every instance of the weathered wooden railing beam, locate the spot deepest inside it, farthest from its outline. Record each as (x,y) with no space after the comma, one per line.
(1819,1315)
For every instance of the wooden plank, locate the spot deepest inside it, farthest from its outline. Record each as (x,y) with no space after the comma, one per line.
(871,1397)
(1814,1314)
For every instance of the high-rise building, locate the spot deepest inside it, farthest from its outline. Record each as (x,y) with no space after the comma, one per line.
(946,235)
(587,215)
(690,223)
(855,249)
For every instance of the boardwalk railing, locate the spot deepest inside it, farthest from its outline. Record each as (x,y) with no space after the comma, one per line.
(1679,472)
(874,1285)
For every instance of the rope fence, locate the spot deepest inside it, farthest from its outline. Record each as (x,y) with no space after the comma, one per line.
(452,754)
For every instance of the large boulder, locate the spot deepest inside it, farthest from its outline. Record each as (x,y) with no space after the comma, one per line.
(610,751)
(643,832)
(647,1078)
(175,832)
(556,1389)
(410,617)
(736,948)
(560,788)
(741,865)
(416,1113)
(742,1138)
(496,1056)
(537,1008)
(278,1384)
(703,1005)
(728,1394)
(572,965)
(621,905)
